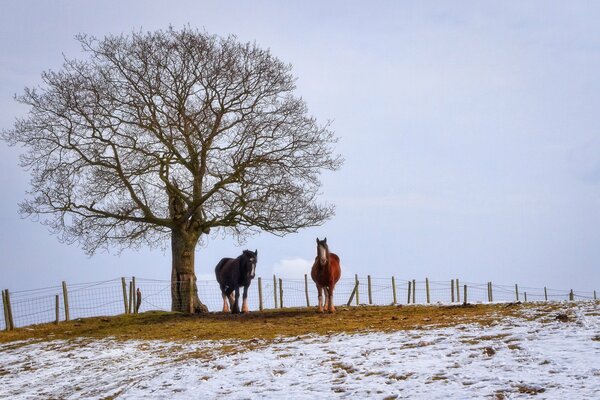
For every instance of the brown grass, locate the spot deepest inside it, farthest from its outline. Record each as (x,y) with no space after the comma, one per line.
(264,325)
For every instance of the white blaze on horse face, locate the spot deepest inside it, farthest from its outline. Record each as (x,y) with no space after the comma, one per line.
(322,254)
(253,261)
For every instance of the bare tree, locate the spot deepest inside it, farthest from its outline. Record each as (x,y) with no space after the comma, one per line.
(171,135)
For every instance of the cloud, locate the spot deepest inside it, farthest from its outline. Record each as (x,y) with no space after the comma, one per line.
(292,268)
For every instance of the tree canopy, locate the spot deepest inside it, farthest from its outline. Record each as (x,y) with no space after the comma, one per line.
(206,124)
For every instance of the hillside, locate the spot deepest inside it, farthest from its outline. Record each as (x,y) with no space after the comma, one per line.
(498,351)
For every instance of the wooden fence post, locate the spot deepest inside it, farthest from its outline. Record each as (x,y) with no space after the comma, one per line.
(452,289)
(427,289)
(491,293)
(594,295)
(571,295)
(66,300)
(465,296)
(57,309)
(260,300)
(369,286)
(190,296)
(274,291)
(130,297)
(5,308)
(414,291)
(409,287)
(356,284)
(354,292)
(525,296)
(457,291)
(124,285)
(306,290)
(394,290)
(517,291)
(133,310)
(11,321)
(488,291)
(280,293)
(545,294)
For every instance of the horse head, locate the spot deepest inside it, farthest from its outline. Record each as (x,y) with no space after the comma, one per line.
(251,260)
(322,250)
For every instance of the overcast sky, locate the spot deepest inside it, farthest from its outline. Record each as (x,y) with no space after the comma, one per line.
(471,133)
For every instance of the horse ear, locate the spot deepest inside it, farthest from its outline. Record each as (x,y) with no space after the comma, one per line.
(325,240)
(256,252)
(317,240)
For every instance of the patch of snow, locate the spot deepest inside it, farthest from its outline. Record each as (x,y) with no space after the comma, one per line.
(516,357)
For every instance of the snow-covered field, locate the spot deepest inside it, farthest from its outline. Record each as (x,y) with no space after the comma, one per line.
(537,355)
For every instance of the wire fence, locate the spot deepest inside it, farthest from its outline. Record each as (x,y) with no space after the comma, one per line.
(118,296)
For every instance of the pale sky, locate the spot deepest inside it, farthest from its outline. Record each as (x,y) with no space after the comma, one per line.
(471,133)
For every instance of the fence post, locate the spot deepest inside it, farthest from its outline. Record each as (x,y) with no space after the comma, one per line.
(517,291)
(427,289)
(11,322)
(280,293)
(491,293)
(571,295)
(594,295)
(452,289)
(125,295)
(457,291)
(274,291)
(57,309)
(66,300)
(306,289)
(260,300)
(525,297)
(5,308)
(190,295)
(130,297)
(414,291)
(408,300)
(465,296)
(394,290)
(488,291)
(369,286)
(354,291)
(357,287)
(134,296)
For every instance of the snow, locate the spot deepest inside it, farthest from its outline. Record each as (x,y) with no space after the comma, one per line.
(517,357)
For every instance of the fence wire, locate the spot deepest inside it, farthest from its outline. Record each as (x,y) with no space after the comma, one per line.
(114,297)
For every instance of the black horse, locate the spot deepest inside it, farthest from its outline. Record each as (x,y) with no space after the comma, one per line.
(233,273)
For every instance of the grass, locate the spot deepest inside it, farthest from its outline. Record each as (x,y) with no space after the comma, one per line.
(267,324)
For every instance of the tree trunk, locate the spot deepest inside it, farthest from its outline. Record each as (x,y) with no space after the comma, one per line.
(183,297)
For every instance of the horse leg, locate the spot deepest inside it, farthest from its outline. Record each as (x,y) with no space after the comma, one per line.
(245,300)
(326,291)
(231,298)
(225,304)
(236,304)
(331,306)
(319,291)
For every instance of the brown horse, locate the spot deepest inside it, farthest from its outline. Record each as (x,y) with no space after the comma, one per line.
(325,273)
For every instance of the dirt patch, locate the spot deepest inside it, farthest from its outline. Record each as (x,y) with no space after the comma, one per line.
(529,389)
(268,324)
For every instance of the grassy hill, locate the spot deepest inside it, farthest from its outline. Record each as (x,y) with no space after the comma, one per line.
(270,323)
